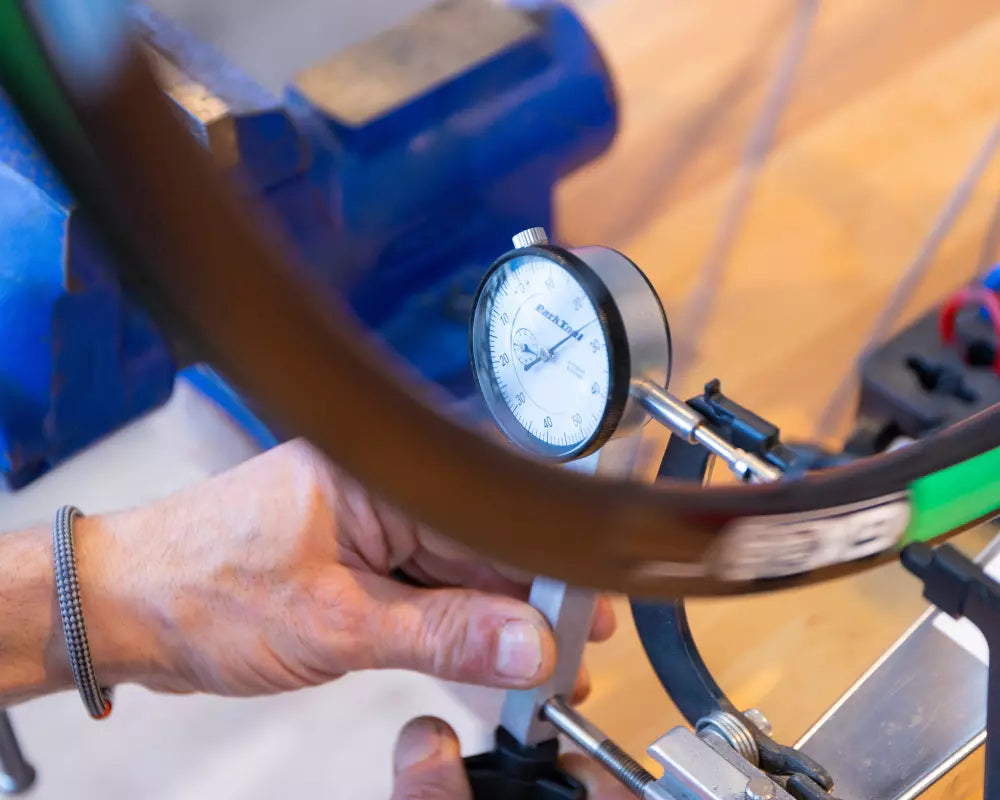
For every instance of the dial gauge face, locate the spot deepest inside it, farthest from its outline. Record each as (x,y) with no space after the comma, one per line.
(542,356)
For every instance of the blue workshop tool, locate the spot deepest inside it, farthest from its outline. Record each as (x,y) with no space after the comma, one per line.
(398,169)
(77,360)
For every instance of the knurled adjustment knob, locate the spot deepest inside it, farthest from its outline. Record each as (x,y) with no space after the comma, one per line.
(531,238)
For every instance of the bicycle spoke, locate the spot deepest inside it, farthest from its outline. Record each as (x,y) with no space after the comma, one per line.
(701,302)
(990,253)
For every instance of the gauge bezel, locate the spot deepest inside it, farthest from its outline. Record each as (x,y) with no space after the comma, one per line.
(612,327)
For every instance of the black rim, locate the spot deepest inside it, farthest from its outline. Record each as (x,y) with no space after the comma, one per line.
(205,265)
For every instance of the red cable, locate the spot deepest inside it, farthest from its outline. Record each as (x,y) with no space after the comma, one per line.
(984,297)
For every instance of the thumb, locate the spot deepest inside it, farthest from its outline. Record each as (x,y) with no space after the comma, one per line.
(428,763)
(460,635)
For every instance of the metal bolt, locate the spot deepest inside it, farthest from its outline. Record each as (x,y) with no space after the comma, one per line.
(756,716)
(593,741)
(760,788)
(530,238)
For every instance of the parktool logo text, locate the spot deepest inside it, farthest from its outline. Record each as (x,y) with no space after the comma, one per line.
(556,320)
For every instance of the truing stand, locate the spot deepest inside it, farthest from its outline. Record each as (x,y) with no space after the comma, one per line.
(663,627)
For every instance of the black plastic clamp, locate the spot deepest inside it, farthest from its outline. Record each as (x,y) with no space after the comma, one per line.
(960,588)
(512,771)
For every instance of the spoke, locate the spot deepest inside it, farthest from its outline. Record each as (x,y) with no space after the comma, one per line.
(662,174)
(758,145)
(990,254)
(910,280)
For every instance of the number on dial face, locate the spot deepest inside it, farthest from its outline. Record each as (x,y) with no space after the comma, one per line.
(548,354)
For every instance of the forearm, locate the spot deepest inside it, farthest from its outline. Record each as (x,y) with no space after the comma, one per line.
(33,659)
(32,650)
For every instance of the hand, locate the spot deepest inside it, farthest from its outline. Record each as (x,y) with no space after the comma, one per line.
(428,766)
(275,576)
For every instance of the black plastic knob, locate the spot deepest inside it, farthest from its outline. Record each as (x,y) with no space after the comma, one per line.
(512,771)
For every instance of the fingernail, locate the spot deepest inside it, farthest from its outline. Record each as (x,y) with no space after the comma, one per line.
(419,741)
(519,651)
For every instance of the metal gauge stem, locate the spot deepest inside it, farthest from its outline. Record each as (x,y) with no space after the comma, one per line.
(559,338)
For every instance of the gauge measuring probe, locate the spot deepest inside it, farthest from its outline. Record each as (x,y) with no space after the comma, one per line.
(607,381)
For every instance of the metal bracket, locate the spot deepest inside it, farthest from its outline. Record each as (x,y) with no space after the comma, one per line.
(694,770)
(569,610)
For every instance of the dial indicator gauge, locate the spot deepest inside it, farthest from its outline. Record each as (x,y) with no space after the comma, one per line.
(546,353)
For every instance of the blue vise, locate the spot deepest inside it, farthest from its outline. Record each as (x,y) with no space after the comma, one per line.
(397,170)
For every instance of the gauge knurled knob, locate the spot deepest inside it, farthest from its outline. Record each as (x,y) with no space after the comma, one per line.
(531,238)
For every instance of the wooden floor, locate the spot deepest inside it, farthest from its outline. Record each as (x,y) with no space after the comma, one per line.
(893,100)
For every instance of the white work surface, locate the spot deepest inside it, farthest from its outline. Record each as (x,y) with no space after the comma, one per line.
(333,742)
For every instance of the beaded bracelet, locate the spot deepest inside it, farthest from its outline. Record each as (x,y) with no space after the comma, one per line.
(96,699)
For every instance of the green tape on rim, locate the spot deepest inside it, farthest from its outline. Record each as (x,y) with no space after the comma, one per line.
(954,497)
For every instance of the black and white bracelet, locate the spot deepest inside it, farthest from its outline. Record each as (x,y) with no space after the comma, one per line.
(96,699)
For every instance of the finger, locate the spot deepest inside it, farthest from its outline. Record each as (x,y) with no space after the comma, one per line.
(458,635)
(433,569)
(600,785)
(428,763)
(581,689)
(604,624)
(455,564)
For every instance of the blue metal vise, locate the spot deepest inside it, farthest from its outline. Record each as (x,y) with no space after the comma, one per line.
(398,169)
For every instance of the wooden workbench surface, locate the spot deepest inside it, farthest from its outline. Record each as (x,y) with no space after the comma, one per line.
(893,101)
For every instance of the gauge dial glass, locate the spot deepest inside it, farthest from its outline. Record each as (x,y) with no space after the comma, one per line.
(542,356)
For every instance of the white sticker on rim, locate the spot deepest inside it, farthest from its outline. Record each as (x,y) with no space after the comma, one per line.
(791,544)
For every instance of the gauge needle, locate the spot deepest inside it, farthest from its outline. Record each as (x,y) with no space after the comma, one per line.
(546,355)
(541,355)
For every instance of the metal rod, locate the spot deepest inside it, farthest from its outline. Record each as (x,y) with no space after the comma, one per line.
(585,735)
(16,774)
(755,152)
(911,278)
(684,421)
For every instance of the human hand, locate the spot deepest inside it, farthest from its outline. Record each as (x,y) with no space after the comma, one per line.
(428,766)
(276,576)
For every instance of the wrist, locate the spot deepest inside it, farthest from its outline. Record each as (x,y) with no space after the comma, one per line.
(123,626)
